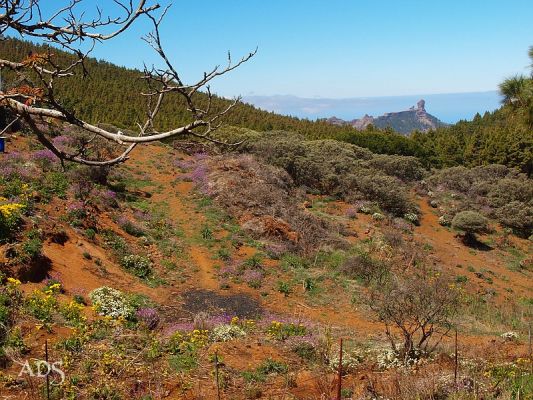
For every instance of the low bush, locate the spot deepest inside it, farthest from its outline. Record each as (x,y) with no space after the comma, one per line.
(363,267)
(138,265)
(227,332)
(340,169)
(111,302)
(470,223)
(495,191)
(408,169)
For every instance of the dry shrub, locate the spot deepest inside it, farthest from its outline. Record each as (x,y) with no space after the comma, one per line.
(416,306)
(340,169)
(263,198)
(392,237)
(362,266)
(425,383)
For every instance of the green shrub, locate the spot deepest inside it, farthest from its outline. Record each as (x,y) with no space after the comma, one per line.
(224,254)
(105,392)
(254,261)
(207,233)
(305,350)
(470,223)
(116,243)
(267,367)
(284,287)
(138,265)
(31,248)
(183,362)
(90,233)
(270,366)
(15,341)
(291,261)
(405,168)
(54,184)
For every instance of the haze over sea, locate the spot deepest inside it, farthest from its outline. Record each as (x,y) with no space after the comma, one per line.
(449,107)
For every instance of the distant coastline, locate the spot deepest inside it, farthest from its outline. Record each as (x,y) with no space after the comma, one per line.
(448,107)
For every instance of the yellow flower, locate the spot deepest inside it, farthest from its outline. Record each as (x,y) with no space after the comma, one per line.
(7,210)
(13,282)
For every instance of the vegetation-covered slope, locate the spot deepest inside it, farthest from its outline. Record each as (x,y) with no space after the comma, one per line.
(110,94)
(265,256)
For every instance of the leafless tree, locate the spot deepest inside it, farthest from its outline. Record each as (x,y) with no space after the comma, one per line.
(69,29)
(415,306)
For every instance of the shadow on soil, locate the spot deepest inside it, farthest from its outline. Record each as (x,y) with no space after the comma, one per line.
(36,270)
(239,305)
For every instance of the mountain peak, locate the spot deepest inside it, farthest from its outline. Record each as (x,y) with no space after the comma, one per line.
(401,121)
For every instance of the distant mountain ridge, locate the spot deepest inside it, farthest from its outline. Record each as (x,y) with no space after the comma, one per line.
(402,121)
(448,107)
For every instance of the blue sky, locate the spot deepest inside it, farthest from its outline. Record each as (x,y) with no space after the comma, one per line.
(340,48)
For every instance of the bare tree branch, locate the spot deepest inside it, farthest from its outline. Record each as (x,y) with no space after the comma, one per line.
(65,27)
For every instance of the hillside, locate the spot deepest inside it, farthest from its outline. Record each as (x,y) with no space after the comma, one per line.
(159,242)
(405,122)
(262,257)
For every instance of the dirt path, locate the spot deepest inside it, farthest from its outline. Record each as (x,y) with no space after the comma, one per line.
(177,196)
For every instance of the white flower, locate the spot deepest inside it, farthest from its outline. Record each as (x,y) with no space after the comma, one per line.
(225,333)
(411,217)
(444,221)
(350,360)
(377,216)
(510,336)
(111,302)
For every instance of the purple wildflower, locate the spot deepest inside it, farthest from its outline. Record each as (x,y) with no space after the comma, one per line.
(178,327)
(200,156)
(228,271)
(76,206)
(253,278)
(142,215)
(44,157)
(148,316)
(14,156)
(199,177)
(351,212)
(183,164)
(109,194)
(63,142)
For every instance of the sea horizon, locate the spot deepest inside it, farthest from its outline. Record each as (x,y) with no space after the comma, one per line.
(448,107)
